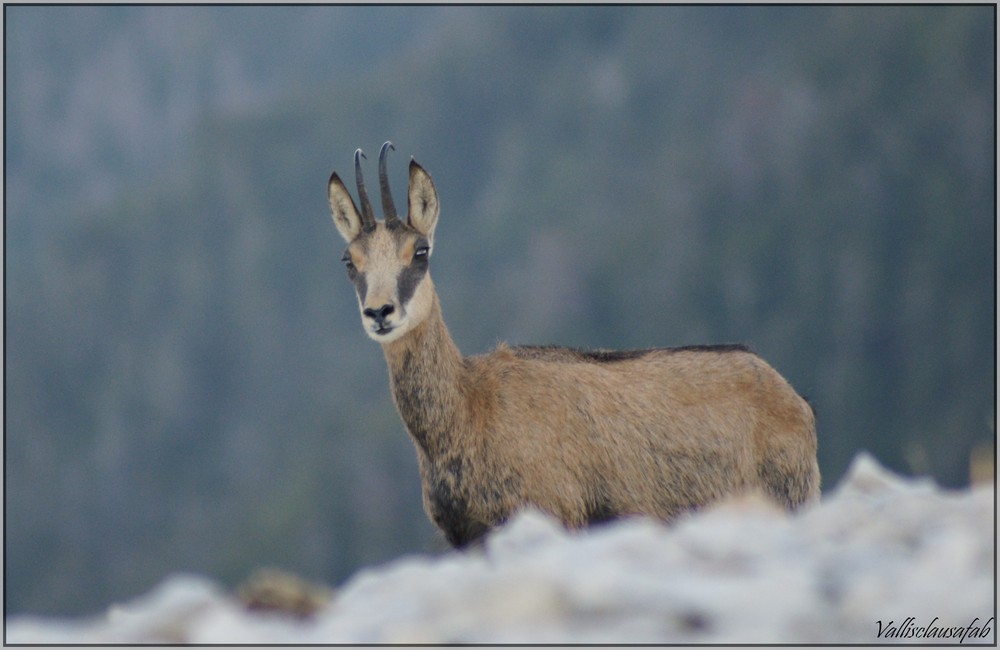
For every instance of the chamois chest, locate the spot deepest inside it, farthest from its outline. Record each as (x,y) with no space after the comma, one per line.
(455,504)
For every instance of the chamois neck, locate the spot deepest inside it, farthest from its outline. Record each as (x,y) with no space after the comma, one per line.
(425,374)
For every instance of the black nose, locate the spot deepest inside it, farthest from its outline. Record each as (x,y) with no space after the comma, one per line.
(379,315)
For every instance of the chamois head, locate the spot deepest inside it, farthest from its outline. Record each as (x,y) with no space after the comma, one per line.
(388,260)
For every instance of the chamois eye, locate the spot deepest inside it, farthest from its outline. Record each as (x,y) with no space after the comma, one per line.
(346,259)
(421,253)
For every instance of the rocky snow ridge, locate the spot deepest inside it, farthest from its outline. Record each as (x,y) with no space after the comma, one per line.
(879,553)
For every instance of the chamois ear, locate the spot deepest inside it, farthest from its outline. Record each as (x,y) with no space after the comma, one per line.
(345,213)
(423,206)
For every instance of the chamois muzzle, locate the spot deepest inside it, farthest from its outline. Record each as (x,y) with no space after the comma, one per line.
(379,316)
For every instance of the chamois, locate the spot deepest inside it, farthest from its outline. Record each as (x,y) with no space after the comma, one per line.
(584,435)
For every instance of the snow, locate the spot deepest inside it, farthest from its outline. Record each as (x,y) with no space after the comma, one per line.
(879,552)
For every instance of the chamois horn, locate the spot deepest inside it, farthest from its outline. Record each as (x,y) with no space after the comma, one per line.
(367,216)
(388,207)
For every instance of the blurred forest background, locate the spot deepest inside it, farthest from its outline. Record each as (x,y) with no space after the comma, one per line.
(187,384)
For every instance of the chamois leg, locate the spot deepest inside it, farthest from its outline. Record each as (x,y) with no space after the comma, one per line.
(791,479)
